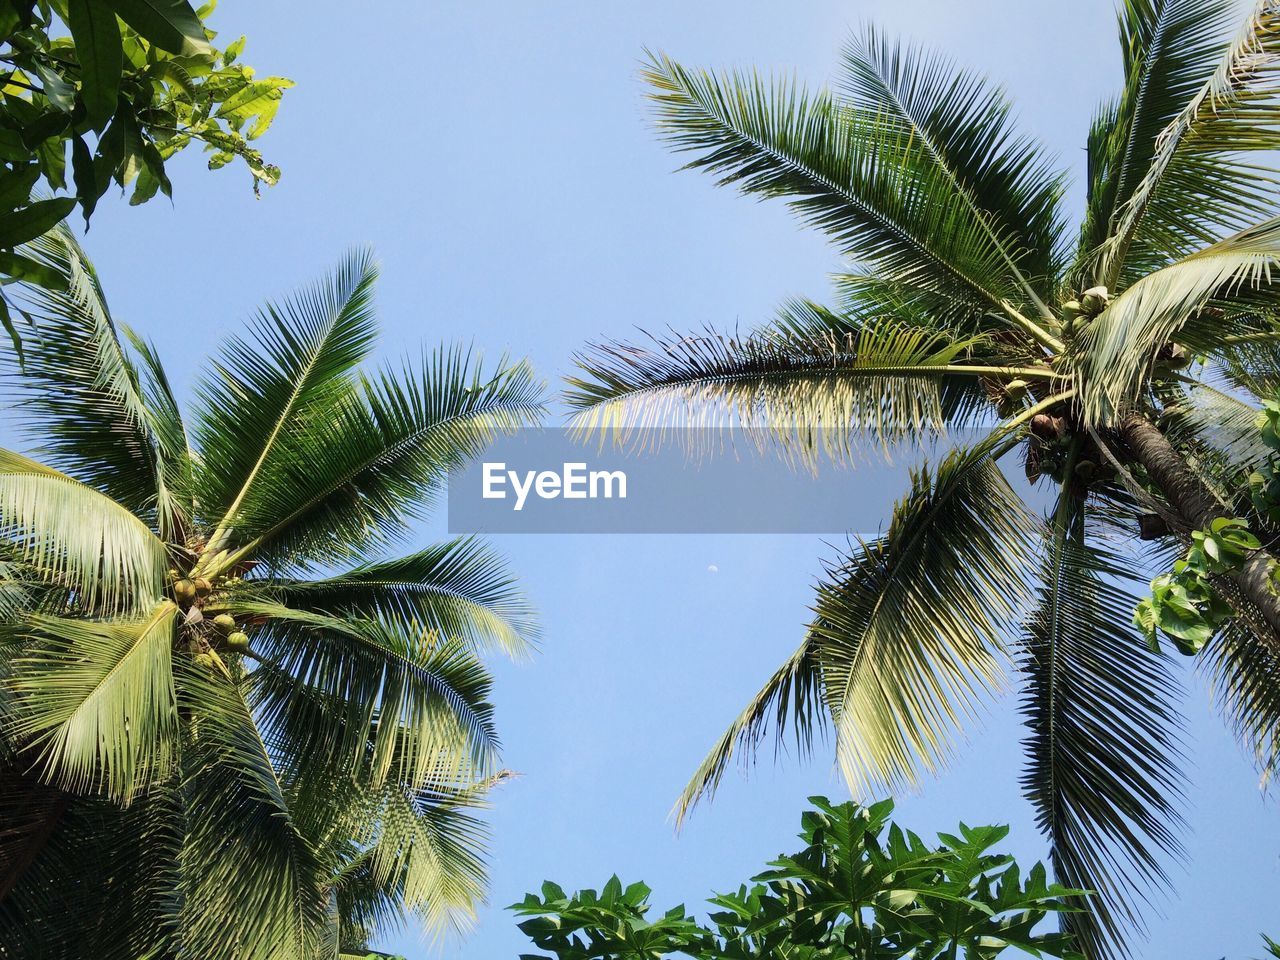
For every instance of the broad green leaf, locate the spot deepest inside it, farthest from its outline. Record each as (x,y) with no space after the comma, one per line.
(170,24)
(97,37)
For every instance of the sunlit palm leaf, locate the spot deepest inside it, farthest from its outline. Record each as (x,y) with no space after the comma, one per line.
(1119,347)
(459,589)
(73,534)
(1104,752)
(908,636)
(810,381)
(297,365)
(1193,177)
(97,702)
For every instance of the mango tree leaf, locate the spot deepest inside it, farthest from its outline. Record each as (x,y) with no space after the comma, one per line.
(97,37)
(170,24)
(34,220)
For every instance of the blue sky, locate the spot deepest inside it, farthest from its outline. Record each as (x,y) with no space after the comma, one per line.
(498,159)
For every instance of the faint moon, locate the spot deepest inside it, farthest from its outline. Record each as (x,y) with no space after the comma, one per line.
(713,569)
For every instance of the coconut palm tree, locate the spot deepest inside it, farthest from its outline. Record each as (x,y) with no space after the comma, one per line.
(237,723)
(1121,361)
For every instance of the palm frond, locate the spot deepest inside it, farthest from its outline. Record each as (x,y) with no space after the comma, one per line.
(1120,345)
(1244,677)
(907,639)
(1194,181)
(1103,754)
(73,534)
(95,702)
(872,185)
(420,700)
(1169,48)
(459,590)
(965,125)
(355,481)
(296,366)
(812,379)
(791,696)
(81,394)
(252,885)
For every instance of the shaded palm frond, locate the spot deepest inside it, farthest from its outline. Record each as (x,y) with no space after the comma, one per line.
(460,590)
(95,702)
(419,699)
(965,125)
(297,365)
(1244,677)
(252,886)
(81,394)
(1169,48)
(1104,748)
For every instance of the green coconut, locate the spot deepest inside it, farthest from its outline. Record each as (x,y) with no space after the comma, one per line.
(225,623)
(238,642)
(1016,389)
(184,591)
(1094,300)
(203,586)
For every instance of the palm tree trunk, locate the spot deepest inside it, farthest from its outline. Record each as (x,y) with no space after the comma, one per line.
(1198,507)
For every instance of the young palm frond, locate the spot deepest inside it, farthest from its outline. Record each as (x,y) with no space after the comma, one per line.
(283,661)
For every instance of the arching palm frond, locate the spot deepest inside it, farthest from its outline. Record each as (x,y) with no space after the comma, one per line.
(459,590)
(1103,753)
(1169,48)
(243,856)
(873,186)
(1194,179)
(353,482)
(83,397)
(95,704)
(908,635)
(76,536)
(417,699)
(965,125)
(296,368)
(812,379)
(1119,348)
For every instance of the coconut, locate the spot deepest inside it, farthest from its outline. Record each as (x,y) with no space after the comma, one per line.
(225,623)
(238,642)
(1071,309)
(1085,469)
(1015,389)
(203,586)
(204,660)
(1094,300)
(184,591)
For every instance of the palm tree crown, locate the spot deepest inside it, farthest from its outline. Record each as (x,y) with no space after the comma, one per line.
(1121,361)
(235,725)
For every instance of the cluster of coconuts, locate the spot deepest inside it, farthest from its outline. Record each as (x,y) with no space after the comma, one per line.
(1048,452)
(235,639)
(191,592)
(1078,314)
(187,590)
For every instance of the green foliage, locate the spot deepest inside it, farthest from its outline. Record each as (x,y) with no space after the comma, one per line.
(121,86)
(297,757)
(862,886)
(967,299)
